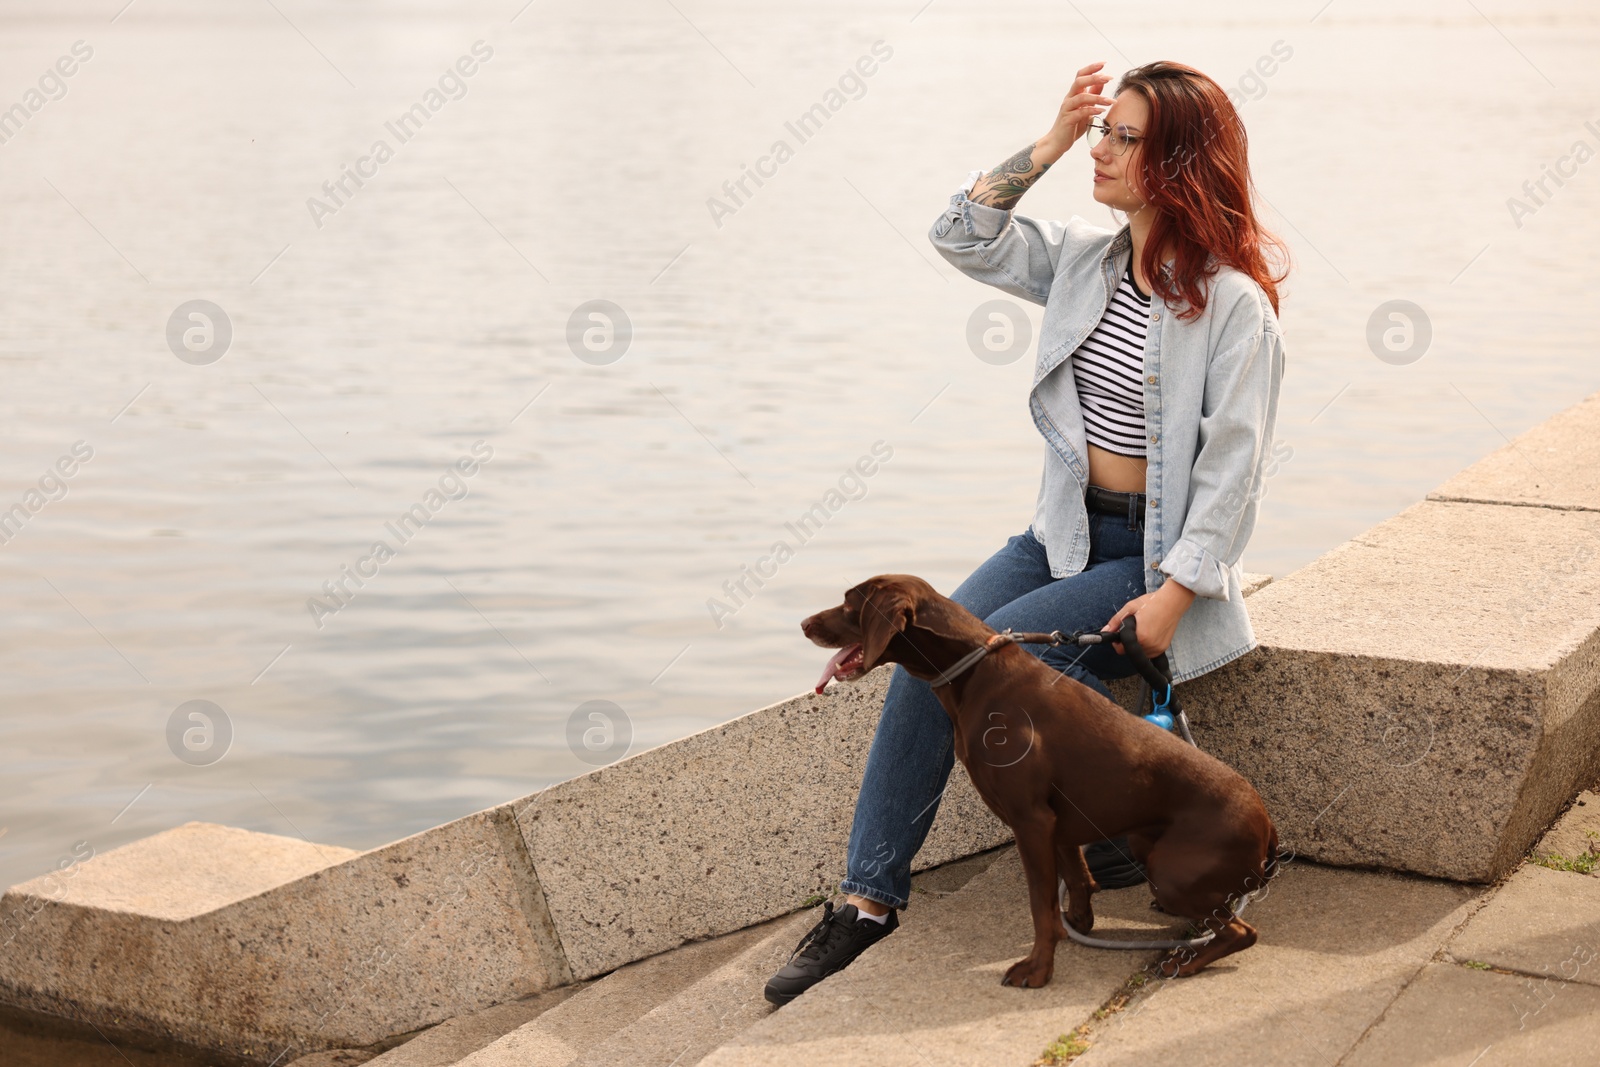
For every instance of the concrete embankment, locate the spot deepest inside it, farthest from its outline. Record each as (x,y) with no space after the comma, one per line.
(1425,699)
(255,944)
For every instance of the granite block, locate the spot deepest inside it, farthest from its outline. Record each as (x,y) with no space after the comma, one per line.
(721,830)
(185,935)
(1426,697)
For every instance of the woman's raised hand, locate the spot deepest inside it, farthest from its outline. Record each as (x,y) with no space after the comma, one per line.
(1004,186)
(1081,107)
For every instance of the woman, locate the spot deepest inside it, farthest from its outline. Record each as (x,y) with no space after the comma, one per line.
(1155,438)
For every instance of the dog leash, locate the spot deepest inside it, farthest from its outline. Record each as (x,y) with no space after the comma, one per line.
(1103,942)
(1165,710)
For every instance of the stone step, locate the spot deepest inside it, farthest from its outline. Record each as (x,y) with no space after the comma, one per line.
(456,1038)
(707,1013)
(220,865)
(315,947)
(699,1001)
(588,1020)
(714,991)
(1366,968)
(1541,922)
(718,1007)
(1336,947)
(931,993)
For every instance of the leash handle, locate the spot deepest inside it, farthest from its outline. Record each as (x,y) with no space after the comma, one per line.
(1158,675)
(1160,681)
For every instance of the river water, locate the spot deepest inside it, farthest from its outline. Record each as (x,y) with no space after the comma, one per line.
(383,332)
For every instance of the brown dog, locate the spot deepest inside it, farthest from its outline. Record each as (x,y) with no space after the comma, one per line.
(1063,766)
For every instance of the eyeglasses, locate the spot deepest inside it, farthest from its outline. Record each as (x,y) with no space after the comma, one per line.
(1121,140)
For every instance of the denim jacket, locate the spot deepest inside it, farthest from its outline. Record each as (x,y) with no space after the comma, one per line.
(1210,400)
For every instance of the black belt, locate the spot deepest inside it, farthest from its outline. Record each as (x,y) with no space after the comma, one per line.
(1106,502)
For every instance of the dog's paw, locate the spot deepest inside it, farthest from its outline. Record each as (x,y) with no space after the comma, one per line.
(1082,922)
(1026,974)
(1180,963)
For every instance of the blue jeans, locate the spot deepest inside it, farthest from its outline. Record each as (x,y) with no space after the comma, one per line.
(914,748)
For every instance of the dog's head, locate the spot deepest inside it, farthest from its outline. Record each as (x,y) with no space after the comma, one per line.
(870,627)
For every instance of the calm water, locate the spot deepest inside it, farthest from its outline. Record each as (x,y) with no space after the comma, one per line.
(377,339)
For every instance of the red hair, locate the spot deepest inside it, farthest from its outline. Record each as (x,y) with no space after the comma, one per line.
(1194,170)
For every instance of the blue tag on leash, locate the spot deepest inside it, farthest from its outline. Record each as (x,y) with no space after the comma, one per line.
(1162,716)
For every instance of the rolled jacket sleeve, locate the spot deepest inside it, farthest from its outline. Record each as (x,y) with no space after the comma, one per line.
(1235,436)
(1011,252)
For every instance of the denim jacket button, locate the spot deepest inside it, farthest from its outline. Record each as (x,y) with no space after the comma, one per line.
(1155,502)
(1151,379)
(1155,316)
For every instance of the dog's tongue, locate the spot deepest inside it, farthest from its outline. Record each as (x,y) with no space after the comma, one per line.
(831,671)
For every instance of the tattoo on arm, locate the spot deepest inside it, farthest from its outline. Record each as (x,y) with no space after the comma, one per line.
(1004,186)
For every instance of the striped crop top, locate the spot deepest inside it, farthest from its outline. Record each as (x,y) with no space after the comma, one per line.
(1108,369)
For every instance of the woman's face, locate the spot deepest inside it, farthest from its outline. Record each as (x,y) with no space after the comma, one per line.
(1116,176)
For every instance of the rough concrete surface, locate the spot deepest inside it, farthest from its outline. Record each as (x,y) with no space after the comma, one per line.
(707,1013)
(931,993)
(1541,922)
(337,1057)
(1453,1016)
(660,1010)
(1336,947)
(186,871)
(458,1038)
(1254,582)
(378,944)
(1556,464)
(1425,696)
(559,1036)
(1577,831)
(720,830)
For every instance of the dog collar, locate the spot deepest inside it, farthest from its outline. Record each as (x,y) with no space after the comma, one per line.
(965,663)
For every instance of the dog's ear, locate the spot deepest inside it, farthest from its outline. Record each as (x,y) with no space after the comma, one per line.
(885,611)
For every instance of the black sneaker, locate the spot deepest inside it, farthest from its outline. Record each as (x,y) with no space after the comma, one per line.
(1112,865)
(837,939)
